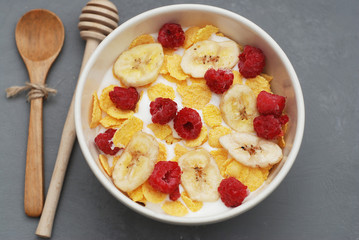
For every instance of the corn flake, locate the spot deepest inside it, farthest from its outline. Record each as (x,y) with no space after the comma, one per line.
(198,80)
(172,79)
(201,139)
(179,151)
(171,139)
(212,115)
(196,95)
(192,205)
(151,194)
(281,140)
(174,208)
(104,163)
(267,77)
(110,108)
(160,131)
(253,178)
(96,111)
(174,67)
(142,39)
(124,134)
(237,77)
(205,32)
(168,51)
(220,156)
(160,90)
(110,122)
(190,36)
(137,195)
(258,84)
(162,154)
(215,134)
(164,69)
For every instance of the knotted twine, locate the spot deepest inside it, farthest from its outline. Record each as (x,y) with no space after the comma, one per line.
(37,90)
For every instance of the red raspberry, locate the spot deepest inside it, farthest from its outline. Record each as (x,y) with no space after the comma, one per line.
(171,35)
(104,142)
(188,123)
(232,192)
(124,98)
(251,62)
(219,80)
(163,110)
(166,176)
(268,103)
(268,126)
(175,194)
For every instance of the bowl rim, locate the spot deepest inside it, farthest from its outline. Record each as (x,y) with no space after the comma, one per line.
(206,219)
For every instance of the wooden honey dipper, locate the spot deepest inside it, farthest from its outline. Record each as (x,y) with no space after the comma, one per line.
(97,20)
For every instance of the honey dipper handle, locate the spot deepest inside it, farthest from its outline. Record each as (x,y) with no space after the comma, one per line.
(44,228)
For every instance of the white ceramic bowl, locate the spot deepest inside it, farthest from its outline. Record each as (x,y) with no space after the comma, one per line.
(235,27)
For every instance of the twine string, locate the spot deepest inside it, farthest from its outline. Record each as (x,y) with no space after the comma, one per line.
(37,90)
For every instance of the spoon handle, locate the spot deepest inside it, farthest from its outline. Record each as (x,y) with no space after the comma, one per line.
(34,184)
(44,228)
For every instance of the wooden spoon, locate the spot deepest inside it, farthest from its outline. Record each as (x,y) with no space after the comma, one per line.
(39,38)
(97,20)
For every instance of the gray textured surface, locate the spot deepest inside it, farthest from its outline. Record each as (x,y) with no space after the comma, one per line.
(319,199)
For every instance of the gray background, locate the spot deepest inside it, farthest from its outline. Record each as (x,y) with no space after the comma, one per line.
(319,198)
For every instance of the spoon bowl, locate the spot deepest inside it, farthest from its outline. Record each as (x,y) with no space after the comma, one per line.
(39,35)
(39,38)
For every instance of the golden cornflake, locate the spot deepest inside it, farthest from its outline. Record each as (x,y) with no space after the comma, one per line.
(190,36)
(205,32)
(162,154)
(267,77)
(196,95)
(110,108)
(174,208)
(220,156)
(172,79)
(253,178)
(110,122)
(215,134)
(164,69)
(137,195)
(281,140)
(212,115)
(160,131)
(258,84)
(160,90)
(124,134)
(171,140)
(104,163)
(174,67)
(198,80)
(96,111)
(142,39)
(237,77)
(151,194)
(192,205)
(168,51)
(202,138)
(179,151)
(220,34)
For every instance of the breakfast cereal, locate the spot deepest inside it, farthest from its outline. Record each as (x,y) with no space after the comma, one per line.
(195,139)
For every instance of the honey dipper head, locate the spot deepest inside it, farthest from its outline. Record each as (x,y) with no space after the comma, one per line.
(98,18)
